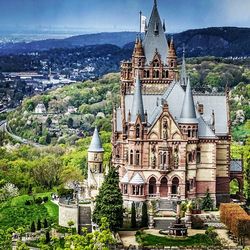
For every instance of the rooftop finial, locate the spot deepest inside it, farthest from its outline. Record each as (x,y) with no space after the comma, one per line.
(164,26)
(155,2)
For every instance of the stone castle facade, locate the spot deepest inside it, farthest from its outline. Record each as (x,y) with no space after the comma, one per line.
(167,139)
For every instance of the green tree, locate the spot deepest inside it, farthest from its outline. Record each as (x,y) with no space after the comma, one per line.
(39,225)
(5,240)
(48,121)
(100,239)
(133,216)
(70,122)
(33,227)
(207,202)
(144,218)
(45,223)
(109,201)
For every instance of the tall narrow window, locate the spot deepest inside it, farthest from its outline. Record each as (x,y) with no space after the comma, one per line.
(137,158)
(190,157)
(131,157)
(138,131)
(198,155)
(156,74)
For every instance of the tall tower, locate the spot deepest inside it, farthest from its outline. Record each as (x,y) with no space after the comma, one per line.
(95,164)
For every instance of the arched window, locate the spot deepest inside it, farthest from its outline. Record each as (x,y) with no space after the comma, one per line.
(137,157)
(140,62)
(172,63)
(175,185)
(198,155)
(100,168)
(190,157)
(152,186)
(156,63)
(189,132)
(137,131)
(131,157)
(156,74)
(164,158)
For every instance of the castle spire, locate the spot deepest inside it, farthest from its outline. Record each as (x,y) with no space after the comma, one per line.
(155,38)
(137,106)
(96,144)
(183,70)
(188,114)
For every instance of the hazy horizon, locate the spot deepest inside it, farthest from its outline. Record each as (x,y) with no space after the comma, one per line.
(78,16)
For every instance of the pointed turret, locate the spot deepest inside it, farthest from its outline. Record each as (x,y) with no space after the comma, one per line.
(183,71)
(137,106)
(96,144)
(155,38)
(188,114)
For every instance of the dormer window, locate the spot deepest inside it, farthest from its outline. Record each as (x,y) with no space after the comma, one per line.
(156,63)
(200,108)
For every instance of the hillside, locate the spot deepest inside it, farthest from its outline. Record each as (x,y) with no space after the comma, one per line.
(93,102)
(222,41)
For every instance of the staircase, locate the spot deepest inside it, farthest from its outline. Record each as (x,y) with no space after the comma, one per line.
(84,218)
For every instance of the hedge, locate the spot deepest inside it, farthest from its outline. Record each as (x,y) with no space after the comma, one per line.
(236,219)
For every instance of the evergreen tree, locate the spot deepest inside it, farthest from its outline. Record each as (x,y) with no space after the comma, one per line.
(45,223)
(144,218)
(33,227)
(207,203)
(109,201)
(39,226)
(133,216)
(47,235)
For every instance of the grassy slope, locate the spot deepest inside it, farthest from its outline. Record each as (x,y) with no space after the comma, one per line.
(14,213)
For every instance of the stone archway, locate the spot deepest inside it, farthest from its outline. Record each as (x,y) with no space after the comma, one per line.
(152,186)
(164,187)
(175,185)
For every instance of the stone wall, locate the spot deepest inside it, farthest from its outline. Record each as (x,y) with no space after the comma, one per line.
(68,213)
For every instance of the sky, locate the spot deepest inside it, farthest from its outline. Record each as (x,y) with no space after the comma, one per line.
(120,15)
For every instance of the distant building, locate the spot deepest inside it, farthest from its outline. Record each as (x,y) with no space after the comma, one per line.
(40,109)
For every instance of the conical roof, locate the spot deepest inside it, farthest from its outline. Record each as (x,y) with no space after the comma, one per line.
(96,144)
(188,113)
(155,38)
(137,107)
(183,71)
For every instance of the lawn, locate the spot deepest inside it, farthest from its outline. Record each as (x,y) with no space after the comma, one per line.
(153,240)
(14,213)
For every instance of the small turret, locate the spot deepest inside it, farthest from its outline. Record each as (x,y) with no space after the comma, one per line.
(95,164)
(188,114)
(137,107)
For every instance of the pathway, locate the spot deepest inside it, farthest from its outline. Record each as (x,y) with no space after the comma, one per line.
(128,238)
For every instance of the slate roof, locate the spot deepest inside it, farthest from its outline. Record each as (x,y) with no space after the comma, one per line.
(174,96)
(236,166)
(96,144)
(153,41)
(125,179)
(137,179)
(183,77)
(137,106)
(188,113)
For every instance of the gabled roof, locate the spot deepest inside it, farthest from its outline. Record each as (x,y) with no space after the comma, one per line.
(188,113)
(137,107)
(137,179)
(96,144)
(155,38)
(125,179)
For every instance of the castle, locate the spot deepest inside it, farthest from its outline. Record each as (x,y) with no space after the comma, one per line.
(168,140)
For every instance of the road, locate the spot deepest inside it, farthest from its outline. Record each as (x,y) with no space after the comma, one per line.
(4,127)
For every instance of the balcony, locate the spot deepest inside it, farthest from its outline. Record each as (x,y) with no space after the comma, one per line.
(164,169)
